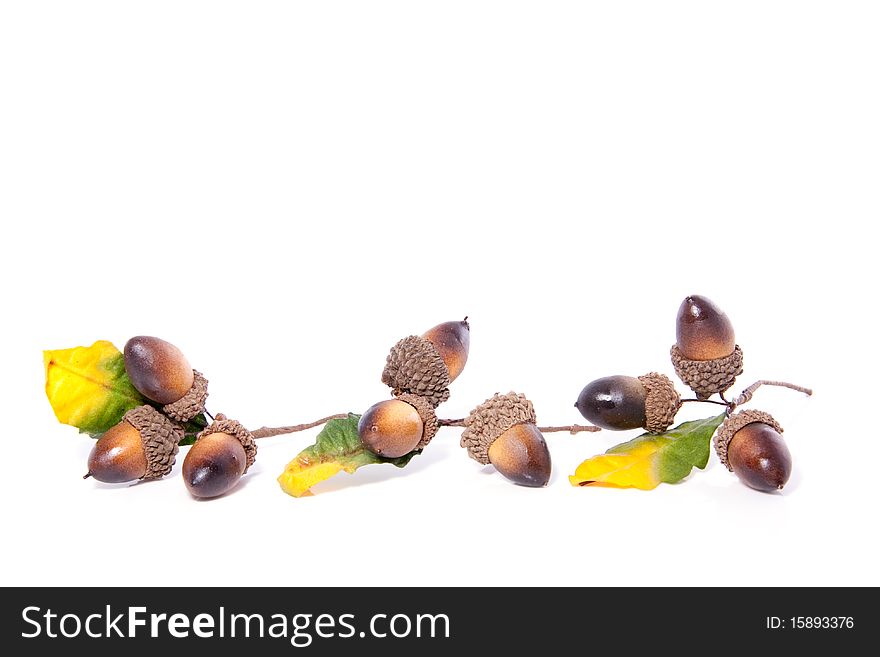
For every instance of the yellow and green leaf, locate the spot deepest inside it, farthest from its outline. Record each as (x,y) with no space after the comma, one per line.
(651,459)
(88,387)
(337,448)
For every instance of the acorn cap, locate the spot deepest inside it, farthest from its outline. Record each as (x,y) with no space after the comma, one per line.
(733,424)
(223,424)
(706,377)
(159,436)
(192,403)
(661,403)
(492,418)
(430,425)
(414,366)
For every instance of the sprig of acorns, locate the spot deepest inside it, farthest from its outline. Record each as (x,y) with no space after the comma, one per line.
(501,431)
(419,369)
(707,359)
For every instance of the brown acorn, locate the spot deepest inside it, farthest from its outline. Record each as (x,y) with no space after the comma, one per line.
(452,341)
(622,402)
(161,373)
(702,330)
(395,427)
(502,431)
(215,463)
(705,354)
(425,365)
(118,455)
(520,453)
(750,445)
(158,369)
(142,446)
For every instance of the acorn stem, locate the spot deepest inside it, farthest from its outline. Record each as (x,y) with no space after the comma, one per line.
(706,401)
(572,428)
(746,394)
(268,432)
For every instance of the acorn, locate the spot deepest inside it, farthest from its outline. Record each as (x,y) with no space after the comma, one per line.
(161,373)
(425,365)
(453,342)
(705,354)
(750,445)
(222,453)
(622,402)
(702,330)
(502,431)
(395,427)
(142,446)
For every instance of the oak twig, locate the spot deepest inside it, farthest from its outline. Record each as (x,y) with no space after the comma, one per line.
(746,394)
(707,401)
(268,432)
(571,428)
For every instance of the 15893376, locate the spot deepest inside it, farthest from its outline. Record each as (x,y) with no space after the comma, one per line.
(810,623)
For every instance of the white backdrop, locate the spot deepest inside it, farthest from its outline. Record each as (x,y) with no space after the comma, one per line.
(285,189)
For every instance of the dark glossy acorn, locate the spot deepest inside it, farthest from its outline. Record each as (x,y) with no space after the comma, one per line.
(453,341)
(614,402)
(705,355)
(622,402)
(520,453)
(118,455)
(749,443)
(214,465)
(702,330)
(158,369)
(759,457)
(391,428)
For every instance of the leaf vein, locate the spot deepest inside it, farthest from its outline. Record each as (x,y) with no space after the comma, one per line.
(95,381)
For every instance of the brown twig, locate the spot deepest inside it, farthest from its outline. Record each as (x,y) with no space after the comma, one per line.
(268,432)
(706,401)
(572,428)
(746,394)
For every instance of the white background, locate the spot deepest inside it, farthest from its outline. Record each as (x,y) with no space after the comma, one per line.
(285,189)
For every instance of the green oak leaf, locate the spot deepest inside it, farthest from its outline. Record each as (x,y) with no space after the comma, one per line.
(337,448)
(651,459)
